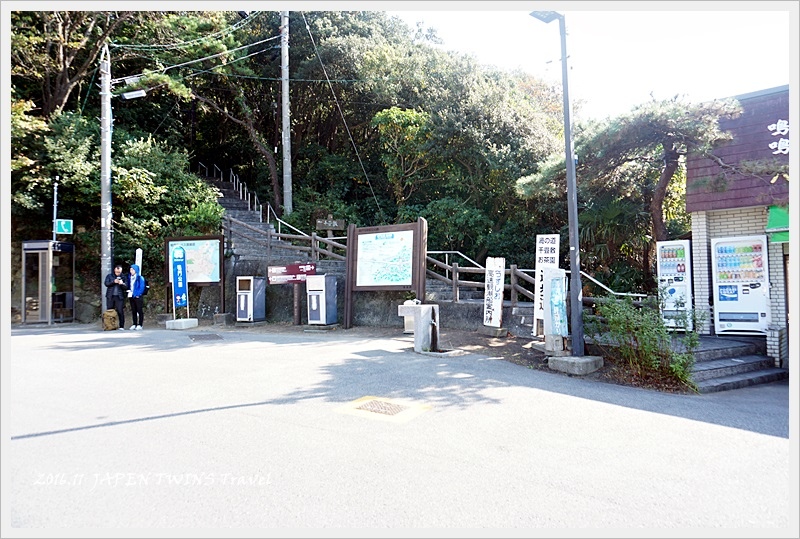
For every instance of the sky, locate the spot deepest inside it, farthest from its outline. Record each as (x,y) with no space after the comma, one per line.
(617,58)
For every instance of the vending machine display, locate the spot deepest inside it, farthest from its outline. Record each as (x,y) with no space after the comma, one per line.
(674,268)
(741,285)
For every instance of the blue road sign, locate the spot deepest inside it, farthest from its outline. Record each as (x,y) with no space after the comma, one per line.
(179,292)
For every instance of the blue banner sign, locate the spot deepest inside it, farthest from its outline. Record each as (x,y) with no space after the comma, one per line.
(729,292)
(179,295)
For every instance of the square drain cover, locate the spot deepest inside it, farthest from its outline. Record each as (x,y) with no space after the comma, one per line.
(205,337)
(383,409)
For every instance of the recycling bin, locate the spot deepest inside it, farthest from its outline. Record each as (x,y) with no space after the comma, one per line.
(321,300)
(251,299)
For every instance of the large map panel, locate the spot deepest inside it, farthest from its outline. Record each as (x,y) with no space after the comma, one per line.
(385,259)
(202,259)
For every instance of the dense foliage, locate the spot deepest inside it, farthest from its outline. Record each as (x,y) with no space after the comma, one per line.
(638,337)
(386,128)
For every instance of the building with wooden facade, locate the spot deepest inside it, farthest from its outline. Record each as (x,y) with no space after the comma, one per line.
(727,199)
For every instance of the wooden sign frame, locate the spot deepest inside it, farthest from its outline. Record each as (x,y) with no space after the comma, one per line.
(383,258)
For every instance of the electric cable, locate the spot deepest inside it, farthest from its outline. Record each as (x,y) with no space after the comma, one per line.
(190,62)
(185,44)
(341,113)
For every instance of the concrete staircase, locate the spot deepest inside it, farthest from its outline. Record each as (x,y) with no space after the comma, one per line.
(247,242)
(723,363)
(436,290)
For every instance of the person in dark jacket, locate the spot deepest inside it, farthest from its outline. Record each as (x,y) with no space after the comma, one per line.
(136,288)
(116,288)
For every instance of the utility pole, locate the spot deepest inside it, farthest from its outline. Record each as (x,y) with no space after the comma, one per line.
(105,171)
(286,132)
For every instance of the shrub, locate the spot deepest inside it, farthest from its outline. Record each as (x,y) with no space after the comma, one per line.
(639,337)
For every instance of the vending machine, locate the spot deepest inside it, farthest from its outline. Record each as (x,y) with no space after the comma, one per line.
(740,285)
(674,268)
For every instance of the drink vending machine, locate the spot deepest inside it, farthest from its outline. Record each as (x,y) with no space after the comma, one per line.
(740,286)
(674,268)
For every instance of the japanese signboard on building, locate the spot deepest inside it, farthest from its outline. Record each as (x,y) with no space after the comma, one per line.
(779,129)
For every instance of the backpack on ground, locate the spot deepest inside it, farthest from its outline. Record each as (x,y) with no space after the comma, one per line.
(110,320)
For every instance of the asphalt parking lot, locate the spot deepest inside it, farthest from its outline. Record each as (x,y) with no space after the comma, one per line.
(223,428)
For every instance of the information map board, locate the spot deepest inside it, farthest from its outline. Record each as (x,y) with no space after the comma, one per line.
(203,262)
(390,257)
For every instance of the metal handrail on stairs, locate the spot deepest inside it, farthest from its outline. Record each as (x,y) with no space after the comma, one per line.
(253,204)
(281,222)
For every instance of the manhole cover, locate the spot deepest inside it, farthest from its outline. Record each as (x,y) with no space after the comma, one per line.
(382,407)
(205,337)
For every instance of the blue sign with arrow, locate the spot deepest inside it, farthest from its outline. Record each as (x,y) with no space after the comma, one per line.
(179,292)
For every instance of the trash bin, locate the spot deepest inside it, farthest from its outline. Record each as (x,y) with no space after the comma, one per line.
(251,299)
(321,292)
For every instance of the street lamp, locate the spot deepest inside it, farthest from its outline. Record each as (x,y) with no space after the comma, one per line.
(575,287)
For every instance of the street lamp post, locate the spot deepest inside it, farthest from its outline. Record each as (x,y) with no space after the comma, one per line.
(575,287)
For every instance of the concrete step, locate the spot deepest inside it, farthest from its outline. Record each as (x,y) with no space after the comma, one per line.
(245,215)
(736,381)
(719,368)
(724,349)
(233,204)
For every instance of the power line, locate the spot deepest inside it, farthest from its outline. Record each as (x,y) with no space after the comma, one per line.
(341,113)
(211,72)
(185,44)
(190,62)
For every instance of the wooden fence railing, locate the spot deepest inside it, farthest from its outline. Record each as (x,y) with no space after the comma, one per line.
(519,286)
(317,248)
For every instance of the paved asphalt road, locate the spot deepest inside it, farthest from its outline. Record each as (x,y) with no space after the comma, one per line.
(243,428)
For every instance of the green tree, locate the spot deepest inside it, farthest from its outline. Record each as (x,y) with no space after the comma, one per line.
(630,167)
(54,51)
(405,136)
(27,151)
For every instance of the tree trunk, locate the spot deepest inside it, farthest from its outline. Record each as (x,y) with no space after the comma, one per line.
(65,37)
(671,157)
(277,193)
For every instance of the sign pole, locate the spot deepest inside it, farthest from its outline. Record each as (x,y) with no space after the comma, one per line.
(55,207)
(296,291)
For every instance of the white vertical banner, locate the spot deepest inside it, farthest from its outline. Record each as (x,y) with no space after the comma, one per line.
(493,296)
(547,246)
